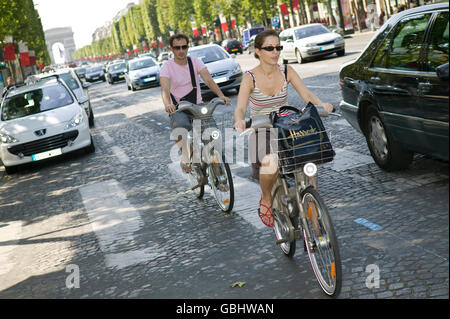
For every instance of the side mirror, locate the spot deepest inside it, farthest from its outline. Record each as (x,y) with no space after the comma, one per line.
(442,71)
(86,85)
(83,100)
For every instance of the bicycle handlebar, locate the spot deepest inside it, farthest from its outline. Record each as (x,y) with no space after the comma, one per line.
(200,110)
(263,121)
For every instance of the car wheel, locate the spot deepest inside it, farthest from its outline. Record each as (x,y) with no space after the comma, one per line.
(91,148)
(132,88)
(11,169)
(128,87)
(91,117)
(341,52)
(387,153)
(298,55)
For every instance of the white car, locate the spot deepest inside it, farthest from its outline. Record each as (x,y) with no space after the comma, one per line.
(40,121)
(70,77)
(141,73)
(311,40)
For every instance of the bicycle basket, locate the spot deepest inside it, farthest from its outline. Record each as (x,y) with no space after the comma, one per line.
(302,138)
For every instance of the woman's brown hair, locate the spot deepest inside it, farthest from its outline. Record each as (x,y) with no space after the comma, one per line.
(261,37)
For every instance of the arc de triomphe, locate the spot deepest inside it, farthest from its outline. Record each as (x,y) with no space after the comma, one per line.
(63,36)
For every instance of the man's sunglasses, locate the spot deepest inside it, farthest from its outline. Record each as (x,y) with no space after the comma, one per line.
(271,48)
(180,47)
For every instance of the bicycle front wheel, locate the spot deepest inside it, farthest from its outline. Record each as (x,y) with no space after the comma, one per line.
(322,247)
(221,182)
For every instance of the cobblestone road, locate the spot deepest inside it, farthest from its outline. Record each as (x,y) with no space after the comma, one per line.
(124,220)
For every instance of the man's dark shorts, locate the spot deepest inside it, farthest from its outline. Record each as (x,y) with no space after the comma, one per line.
(181,119)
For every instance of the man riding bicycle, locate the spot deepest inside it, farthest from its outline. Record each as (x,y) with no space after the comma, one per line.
(179,82)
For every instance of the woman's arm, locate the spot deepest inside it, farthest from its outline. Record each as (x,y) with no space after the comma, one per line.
(245,90)
(304,92)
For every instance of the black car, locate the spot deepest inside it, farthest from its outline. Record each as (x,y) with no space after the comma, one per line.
(116,72)
(396,92)
(95,73)
(232,46)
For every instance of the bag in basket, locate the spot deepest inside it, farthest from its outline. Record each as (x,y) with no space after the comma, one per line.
(302,137)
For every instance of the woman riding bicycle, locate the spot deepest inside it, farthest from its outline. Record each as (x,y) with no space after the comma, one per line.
(265,87)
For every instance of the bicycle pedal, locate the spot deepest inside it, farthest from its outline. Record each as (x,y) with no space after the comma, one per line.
(282,241)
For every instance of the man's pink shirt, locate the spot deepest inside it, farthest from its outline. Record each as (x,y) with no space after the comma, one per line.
(180,78)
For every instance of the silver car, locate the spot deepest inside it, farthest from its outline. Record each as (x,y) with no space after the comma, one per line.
(142,73)
(224,70)
(308,41)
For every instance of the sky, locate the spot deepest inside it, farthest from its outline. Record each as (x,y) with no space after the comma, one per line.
(84,16)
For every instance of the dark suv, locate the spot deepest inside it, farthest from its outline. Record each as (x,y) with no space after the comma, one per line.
(396,92)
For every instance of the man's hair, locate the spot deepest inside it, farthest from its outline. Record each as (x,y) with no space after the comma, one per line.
(178,36)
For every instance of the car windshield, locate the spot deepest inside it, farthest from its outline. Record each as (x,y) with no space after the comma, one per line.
(70,81)
(141,64)
(80,70)
(94,69)
(119,66)
(208,55)
(36,101)
(310,31)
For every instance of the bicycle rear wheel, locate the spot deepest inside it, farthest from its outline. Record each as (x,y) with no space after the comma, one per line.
(221,182)
(323,250)
(282,222)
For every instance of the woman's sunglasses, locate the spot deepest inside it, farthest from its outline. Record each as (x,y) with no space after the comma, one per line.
(271,48)
(180,47)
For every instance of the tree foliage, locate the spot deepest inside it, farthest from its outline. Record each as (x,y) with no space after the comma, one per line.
(19,19)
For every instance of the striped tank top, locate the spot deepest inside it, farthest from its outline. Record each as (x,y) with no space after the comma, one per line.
(261,103)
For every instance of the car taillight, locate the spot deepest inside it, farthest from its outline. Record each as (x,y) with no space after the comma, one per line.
(226,48)
(240,46)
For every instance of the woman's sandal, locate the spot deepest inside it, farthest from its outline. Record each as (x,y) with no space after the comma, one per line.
(267,217)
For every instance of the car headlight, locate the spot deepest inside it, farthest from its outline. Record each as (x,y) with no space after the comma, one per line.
(75,121)
(7,139)
(134,76)
(339,40)
(237,69)
(310,45)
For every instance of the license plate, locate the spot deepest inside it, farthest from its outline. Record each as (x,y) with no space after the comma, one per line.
(220,80)
(150,79)
(121,76)
(327,47)
(95,78)
(232,50)
(48,154)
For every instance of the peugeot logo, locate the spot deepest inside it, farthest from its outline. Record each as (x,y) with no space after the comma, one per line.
(40,132)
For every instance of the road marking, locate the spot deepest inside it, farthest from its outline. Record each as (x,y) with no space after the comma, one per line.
(8,231)
(114,221)
(368,224)
(123,158)
(108,139)
(246,196)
